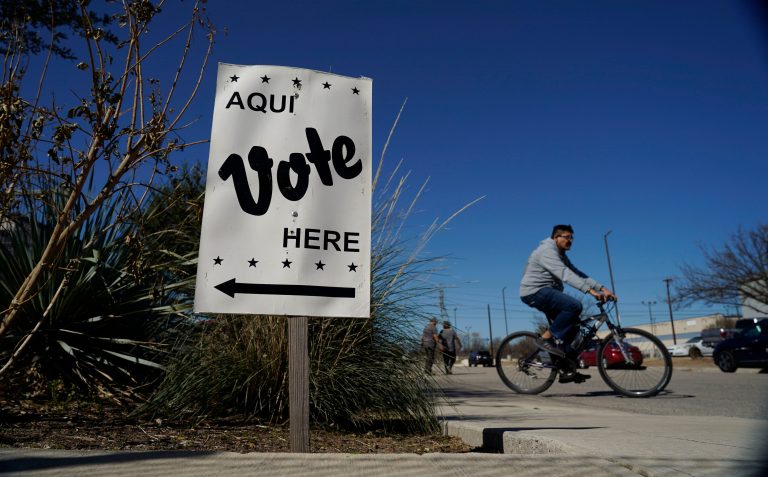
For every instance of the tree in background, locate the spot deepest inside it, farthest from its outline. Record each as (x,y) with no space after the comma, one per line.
(721,322)
(81,165)
(736,274)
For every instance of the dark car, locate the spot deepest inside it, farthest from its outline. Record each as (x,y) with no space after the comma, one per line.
(711,337)
(480,358)
(748,349)
(613,355)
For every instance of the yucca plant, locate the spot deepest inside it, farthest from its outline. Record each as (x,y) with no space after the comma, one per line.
(92,323)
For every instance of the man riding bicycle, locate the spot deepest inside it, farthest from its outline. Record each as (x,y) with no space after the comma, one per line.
(542,288)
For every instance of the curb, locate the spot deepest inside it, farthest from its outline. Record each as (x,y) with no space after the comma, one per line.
(504,441)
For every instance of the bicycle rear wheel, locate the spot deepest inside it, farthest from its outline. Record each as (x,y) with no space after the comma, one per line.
(634,363)
(522,366)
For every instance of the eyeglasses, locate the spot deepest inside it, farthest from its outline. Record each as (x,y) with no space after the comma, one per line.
(567,237)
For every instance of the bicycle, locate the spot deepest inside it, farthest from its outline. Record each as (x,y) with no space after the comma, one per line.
(631,361)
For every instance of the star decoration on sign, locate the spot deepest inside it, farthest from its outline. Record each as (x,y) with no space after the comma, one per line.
(234,78)
(217,260)
(265,79)
(326,85)
(252,263)
(352,267)
(287,263)
(356,91)
(320,265)
(297,82)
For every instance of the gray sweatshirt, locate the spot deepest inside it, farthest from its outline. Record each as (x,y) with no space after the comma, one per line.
(548,268)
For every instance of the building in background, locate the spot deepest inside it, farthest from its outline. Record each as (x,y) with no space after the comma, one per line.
(751,308)
(685,328)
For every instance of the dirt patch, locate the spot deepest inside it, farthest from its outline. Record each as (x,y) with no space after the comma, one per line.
(27,424)
(687,362)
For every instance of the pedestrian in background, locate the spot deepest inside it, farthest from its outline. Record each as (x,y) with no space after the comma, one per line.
(451,344)
(429,340)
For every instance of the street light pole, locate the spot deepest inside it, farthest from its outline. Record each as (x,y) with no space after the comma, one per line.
(490,331)
(669,302)
(504,301)
(469,339)
(610,273)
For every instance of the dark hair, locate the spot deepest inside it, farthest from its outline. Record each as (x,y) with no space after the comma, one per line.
(557,229)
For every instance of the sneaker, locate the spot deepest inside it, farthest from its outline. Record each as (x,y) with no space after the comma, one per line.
(550,347)
(573,377)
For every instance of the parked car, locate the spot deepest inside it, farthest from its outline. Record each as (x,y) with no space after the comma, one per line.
(694,347)
(480,358)
(613,355)
(711,337)
(748,349)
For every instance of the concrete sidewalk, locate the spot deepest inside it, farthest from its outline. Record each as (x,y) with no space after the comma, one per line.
(537,439)
(646,445)
(40,463)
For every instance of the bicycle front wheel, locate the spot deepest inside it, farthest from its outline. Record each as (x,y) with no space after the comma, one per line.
(522,366)
(634,363)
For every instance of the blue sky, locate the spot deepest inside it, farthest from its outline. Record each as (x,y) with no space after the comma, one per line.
(645,118)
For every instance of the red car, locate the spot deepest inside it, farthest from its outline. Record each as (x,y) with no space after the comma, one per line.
(612,354)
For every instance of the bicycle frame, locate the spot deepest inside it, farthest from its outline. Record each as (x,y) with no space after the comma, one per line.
(615,331)
(600,318)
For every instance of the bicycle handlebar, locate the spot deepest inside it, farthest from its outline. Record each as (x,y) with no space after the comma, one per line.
(602,304)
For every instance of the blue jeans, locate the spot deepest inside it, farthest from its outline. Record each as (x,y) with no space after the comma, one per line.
(562,311)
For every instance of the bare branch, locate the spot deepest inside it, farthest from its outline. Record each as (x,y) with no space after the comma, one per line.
(144,133)
(736,274)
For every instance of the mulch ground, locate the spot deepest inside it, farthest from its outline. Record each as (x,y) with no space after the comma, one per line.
(30,424)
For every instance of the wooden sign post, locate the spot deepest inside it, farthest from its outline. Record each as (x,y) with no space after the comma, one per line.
(287,219)
(298,383)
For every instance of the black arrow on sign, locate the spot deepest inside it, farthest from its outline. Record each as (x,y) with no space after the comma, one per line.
(231,287)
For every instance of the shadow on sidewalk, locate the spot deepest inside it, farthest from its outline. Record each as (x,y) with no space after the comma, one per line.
(39,463)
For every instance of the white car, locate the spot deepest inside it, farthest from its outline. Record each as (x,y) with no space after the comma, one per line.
(693,348)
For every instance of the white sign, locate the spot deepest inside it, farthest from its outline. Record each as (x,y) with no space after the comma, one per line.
(287,218)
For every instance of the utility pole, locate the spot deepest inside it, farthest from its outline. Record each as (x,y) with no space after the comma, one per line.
(456,327)
(669,302)
(610,273)
(650,315)
(490,332)
(441,304)
(504,301)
